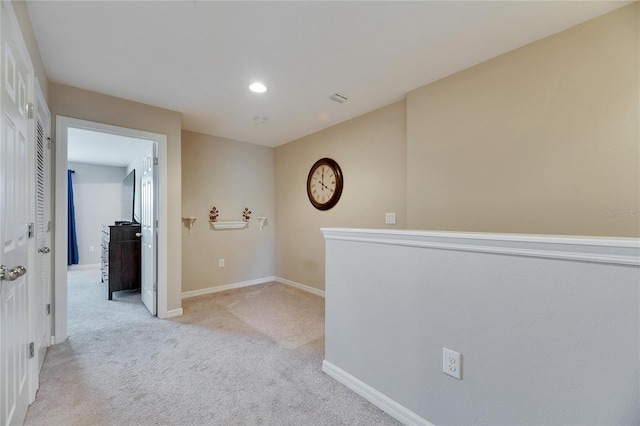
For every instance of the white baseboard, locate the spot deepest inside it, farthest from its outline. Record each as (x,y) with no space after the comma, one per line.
(303,287)
(87,266)
(209,290)
(381,401)
(173,313)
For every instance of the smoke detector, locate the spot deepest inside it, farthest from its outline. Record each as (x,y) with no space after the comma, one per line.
(337,97)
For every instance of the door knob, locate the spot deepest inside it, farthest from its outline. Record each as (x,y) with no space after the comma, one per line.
(138,234)
(12,274)
(6,275)
(44,250)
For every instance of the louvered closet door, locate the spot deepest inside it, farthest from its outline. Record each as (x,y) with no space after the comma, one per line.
(43,226)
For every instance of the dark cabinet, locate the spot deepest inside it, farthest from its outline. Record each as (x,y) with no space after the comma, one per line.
(121,257)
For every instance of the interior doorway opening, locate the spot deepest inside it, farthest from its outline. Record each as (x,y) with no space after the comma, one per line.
(108,175)
(147,160)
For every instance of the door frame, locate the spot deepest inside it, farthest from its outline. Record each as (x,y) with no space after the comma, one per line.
(60,259)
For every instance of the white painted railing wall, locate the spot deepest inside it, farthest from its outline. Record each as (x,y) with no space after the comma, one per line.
(548,327)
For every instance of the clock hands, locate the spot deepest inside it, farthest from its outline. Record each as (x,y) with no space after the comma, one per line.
(319,194)
(321,180)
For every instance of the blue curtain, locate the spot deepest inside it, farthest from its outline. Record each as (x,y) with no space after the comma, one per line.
(72,243)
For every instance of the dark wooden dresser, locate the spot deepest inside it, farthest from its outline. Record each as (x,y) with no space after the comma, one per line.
(120,257)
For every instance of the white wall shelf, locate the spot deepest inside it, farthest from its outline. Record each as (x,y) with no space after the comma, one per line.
(229,225)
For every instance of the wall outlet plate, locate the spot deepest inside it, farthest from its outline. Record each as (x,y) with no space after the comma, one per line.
(390,218)
(452,363)
(220,263)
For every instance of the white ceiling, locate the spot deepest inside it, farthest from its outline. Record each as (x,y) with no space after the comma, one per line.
(199,57)
(87,146)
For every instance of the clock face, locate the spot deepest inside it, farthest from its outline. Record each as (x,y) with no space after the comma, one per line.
(324,184)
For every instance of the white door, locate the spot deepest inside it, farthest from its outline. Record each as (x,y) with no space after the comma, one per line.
(42,265)
(15,167)
(149,232)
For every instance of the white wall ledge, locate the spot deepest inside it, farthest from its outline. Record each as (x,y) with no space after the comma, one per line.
(620,251)
(229,225)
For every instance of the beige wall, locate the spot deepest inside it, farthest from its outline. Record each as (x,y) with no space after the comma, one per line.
(543,139)
(230,175)
(371,153)
(82,104)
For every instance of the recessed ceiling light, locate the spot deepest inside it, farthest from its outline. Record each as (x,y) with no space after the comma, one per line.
(258,88)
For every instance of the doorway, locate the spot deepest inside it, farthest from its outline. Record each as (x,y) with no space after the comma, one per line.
(67,128)
(107,177)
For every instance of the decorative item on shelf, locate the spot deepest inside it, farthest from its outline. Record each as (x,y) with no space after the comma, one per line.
(213,214)
(262,220)
(246,214)
(188,222)
(214,224)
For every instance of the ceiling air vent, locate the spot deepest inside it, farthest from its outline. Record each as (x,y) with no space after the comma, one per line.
(337,97)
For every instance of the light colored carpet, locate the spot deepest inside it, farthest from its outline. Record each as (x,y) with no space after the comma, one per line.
(250,356)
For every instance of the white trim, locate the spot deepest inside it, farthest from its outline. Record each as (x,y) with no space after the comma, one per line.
(622,251)
(62,125)
(302,287)
(87,266)
(378,399)
(217,289)
(162,293)
(173,313)
(60,234)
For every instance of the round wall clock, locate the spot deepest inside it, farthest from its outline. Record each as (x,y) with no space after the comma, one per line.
(324,184)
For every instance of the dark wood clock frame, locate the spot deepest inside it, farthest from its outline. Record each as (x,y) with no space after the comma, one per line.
(339,184)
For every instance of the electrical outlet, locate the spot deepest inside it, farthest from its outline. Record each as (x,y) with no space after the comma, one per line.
(390,218)
(452,363)
(221,263)
(91,248)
